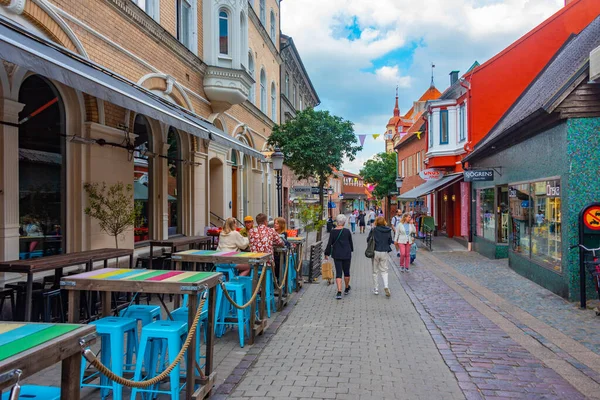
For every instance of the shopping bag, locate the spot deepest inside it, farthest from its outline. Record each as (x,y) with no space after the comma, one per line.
(327,270)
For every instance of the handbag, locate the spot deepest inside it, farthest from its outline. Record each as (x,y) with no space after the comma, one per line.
(370,251)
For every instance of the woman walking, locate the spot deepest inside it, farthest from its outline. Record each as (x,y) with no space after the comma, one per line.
(405,236)
(340,248)
(361,222)
(353,222)
(383,240)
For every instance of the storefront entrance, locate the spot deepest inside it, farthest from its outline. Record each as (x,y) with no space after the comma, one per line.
(502,213)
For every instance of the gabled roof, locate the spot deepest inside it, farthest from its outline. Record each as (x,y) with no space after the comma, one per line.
(567,65)
(430,94)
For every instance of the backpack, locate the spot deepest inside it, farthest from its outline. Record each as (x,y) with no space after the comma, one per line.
(395,221)
(370,251)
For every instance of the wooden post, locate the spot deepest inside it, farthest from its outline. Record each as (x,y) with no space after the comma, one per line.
(177,298)
(253,305)
(210,330)
(191,353)
(106,304)
(73,308)
(69,377)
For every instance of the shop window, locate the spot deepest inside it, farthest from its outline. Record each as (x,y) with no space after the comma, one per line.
(252,96)
(444,127)
(223,32)
(486,217)
(42,170)
(142,182)
(546,223)
(520,214)
(463,123)
(174,182)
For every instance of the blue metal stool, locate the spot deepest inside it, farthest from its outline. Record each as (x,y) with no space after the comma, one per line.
(143,314)
(292,275)
(37,393)
(112,330)
(229,270)
(270,296)
(155,334)
(238,293)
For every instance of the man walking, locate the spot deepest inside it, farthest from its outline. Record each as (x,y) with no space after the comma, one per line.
(395,221)
(371,217)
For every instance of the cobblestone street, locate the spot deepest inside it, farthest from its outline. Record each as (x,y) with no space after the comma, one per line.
(458,326)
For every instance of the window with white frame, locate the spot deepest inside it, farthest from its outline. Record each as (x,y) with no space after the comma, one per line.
(273,102)
(287,85)
(184,22)
(463,123)
(430,130)
(149,6)
(418,162)
(273,26)
(263,12)
(444,127)
(294,97)
(252,96)
(263,91)
(223,32)
(402,169)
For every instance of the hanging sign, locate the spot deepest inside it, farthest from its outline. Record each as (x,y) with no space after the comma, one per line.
(482,175)
(591,218)
(431,174)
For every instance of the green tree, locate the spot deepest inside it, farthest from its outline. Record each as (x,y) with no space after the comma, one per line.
(310,216)
(113,207)
(381,171)
(313,144)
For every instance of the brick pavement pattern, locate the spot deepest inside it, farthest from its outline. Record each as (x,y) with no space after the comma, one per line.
(361,347)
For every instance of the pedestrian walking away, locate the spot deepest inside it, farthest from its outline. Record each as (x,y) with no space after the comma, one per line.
(361,222)
(371,218)
(383,241)
(352,219)
(340,248)
(405,236)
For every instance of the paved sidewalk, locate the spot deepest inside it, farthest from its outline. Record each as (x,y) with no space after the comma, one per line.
(363,346)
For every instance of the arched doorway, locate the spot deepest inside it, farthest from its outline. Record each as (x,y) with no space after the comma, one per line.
(216,189)
(174,182)
(142,178)
(42,170)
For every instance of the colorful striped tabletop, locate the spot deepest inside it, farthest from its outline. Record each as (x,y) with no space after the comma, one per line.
(19,337)
(144,275)
(215,253)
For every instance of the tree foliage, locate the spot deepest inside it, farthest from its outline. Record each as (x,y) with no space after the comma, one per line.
(310,215)
(315,143)
(381,171)
(113,207)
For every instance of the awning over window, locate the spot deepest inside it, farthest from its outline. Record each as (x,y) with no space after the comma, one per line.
(38,55)
(430,186)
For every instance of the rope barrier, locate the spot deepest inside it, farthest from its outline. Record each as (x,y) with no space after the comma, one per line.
(91,357)
(287,268)
(236,305)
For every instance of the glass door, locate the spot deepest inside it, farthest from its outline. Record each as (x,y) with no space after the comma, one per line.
(502,213)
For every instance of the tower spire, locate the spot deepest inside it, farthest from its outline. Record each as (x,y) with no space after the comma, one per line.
(396,109)
(432,83)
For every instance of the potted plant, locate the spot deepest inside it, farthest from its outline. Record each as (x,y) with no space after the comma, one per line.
(113,207)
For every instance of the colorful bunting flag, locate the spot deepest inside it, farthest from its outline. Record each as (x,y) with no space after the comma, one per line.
(362,139)
(375,136)
(418,135)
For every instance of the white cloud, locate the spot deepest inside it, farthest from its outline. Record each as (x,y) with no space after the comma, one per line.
(354,78)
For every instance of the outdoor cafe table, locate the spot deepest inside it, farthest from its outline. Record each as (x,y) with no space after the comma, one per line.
(32,347)
(157,282)
(57,263)
(298,259)
(233,257)
(203,242)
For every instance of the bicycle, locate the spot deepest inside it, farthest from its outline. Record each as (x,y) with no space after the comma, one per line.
(593,267)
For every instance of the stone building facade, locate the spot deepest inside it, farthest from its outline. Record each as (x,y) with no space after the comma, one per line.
(174,97)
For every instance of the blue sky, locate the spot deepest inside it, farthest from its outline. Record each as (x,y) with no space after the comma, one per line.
(357,51)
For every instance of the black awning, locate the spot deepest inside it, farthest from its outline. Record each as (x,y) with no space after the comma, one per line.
(24,48)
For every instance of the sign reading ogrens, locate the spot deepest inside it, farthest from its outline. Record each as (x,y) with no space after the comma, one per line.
(479,175)
(431,174)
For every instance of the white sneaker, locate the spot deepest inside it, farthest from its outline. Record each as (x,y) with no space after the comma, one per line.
(375,291)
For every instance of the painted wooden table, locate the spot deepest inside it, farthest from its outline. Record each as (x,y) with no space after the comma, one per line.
(298,243)
(201,243)
(256,260)
(57,263)
(159,282)
(32,347)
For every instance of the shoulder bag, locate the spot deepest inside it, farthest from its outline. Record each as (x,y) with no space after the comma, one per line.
(370,251)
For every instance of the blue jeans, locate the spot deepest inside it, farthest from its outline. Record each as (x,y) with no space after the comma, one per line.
(353,226)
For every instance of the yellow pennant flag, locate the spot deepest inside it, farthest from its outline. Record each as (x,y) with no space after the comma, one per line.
(418,135)
(375,136)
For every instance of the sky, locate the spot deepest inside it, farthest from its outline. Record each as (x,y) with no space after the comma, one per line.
(357,51)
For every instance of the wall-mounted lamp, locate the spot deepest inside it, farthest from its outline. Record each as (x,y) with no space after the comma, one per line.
(453,197)
(445,197)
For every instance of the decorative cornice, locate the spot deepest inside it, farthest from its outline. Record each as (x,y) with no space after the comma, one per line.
(132,12)
(16,6)
(264,34)
(258,114)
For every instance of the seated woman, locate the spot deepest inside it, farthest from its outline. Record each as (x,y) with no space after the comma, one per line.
(280,227)
(231,240)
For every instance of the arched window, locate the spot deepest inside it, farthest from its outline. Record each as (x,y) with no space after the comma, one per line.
(142,178)
(273,35)
(42,170)
(223,32)
(263,13)
(174,182)
(263,91)
(252,97)
(273,102)
(287,85)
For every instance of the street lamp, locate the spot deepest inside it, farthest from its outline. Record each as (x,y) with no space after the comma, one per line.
(277,159)
(399,181)
(330,192)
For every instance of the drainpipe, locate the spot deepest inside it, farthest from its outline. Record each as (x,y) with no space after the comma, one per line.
(469,127)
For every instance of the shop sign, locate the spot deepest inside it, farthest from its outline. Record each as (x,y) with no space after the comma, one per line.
(482,175)
(431,174)
(302,189)
(314,190)
(552,190)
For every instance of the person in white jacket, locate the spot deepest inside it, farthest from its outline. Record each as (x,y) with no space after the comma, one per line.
(405,236)
(231,240)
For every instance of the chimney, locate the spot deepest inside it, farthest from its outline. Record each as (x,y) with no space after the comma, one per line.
(453,77)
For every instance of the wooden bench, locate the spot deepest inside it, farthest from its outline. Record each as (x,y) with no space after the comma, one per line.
(315,259)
